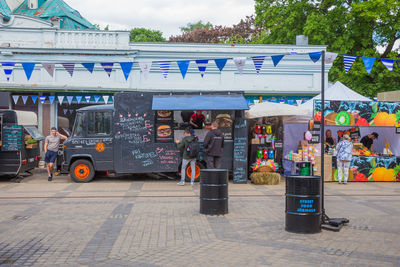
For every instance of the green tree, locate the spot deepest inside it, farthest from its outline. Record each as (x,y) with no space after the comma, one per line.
(146,35)
(195,26)
(357,27)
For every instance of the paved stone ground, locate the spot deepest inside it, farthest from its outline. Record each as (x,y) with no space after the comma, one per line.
(138,221)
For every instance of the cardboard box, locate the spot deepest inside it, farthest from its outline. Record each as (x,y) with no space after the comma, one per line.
(327,167)
(255,141)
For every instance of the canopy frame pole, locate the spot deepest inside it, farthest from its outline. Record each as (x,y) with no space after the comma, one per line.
(324,217)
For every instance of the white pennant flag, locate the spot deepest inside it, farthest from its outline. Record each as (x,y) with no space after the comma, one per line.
(87,98)
(24,98)
(60,99)
(240,62)
(145,68)
(69,99)
(106,97)
(15,97)
(298,101)
(330,57)
(49,67)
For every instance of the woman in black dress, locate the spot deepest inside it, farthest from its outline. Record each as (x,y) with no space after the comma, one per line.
(330,141)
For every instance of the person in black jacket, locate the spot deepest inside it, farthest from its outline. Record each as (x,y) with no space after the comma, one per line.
(214,146)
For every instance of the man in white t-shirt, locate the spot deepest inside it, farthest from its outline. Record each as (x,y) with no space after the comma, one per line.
(51,145)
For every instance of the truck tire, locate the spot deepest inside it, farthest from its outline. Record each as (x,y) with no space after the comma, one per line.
(82,171)
(188,175)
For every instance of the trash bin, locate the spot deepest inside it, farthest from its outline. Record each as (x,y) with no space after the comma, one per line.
(213,191)
(303,204)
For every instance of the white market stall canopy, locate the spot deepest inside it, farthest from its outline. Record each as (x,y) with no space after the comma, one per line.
(269,109)
(26,117)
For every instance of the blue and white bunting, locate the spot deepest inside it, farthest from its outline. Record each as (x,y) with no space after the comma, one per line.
(28,68)
(164,67)
(87,98)
(388,63)
(24,98)
(183,67)
(78,99)
(51,98)
(71,111)
(15,98)
(65,110)
(276,59)
(69,99)
(290,101)
(34,98)
(258,62)
(107,66)
(299,101)
(69,67)
(348,62)
(368,63)
(202,66)
(88,66)
(126,68)
(106,97)
(96,98)
(49,67)
(315,56)
(60,99)
(145,67)
(42,99)
(220,62)
(240,62)
(330,57)
(8,69)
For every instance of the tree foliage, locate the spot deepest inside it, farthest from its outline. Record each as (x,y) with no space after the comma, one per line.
(146,35)
(357,27)
(243,32)
(194,26)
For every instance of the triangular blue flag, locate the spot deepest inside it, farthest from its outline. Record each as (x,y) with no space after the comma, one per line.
(220,62)
(88,66)
(348,62)
(290,101)
(164,67)
(28,68)
(42,99)
(51,98)
(202,66)
(276,59)
(34,98)
(8,69)
(96,98)
(258,62)
(388,63)
(107,66)
(69,67)
(78,99)
(183,67)
(126,68)
(368,63)
(315,56)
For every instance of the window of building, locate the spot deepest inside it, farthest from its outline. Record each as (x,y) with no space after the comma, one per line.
(99,123)
(78,127)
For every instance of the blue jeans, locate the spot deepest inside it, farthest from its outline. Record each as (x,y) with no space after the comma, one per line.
(185,162)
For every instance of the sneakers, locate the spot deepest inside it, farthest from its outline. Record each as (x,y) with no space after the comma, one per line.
(181,183)
(50,177)
(191,183)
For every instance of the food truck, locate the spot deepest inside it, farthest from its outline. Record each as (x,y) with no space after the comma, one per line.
(19,145)
(137,134)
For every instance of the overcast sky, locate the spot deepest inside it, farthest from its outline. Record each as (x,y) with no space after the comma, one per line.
(164,15)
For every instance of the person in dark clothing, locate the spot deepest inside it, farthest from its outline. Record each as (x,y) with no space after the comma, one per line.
(186,159)
(186,115)
(214,145)
(368,140)
(197,120)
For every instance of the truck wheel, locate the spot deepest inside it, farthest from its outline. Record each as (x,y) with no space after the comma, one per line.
(82,171)
(197,174)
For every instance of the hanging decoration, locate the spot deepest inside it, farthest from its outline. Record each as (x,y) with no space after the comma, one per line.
(220,62)
(65,110)
(276,59)
(60,99)
(315,56)
(15,98)
(28,68)
(290,101)
(368,63)
(258,62)
(348,62)
(51,98)
(88,66)
(24,99)
(388,63)
(183,67)
(8,69)
(299,101)
(240,62)
(34,98)
(69,67)
(145,67)
(107,66)
(96,98)
(106,97)
(71,111)
(87,98)
(42,99)
(69,99)
(202,66)
(126,68)
(330,57)
(78,99)
(49,67)
(164,67)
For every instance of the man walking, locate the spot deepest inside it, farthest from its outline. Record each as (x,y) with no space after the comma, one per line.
(188,157)
(51,145)
(214,146)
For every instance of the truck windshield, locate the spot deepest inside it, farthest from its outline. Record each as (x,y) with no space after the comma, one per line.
(78,125)
(99,123)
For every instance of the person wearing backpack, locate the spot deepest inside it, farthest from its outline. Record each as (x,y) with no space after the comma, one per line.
(214,146)
(190,147)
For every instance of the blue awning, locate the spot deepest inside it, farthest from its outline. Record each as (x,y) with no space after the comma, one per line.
(199,102)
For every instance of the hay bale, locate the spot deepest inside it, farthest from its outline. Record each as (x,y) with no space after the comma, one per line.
(267,178)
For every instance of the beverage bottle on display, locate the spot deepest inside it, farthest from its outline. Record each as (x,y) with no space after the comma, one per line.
(265,154)
(259,154)
(271,154)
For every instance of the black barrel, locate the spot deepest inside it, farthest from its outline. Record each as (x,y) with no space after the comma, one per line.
(303,204)
(213,191)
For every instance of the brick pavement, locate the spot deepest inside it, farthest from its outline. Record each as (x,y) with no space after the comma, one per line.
(133,221)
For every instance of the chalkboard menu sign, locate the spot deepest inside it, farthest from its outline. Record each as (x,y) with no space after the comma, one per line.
(315,139)
(11,137)
(240,151)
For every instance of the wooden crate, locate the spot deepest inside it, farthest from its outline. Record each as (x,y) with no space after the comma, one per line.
(327,167)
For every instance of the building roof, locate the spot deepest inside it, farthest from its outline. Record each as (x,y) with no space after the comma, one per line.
(4,9)
(71,18)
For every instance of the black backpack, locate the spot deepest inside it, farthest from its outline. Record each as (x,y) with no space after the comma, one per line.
(193,148)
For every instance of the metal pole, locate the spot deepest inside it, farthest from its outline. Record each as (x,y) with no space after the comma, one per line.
(322,133)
